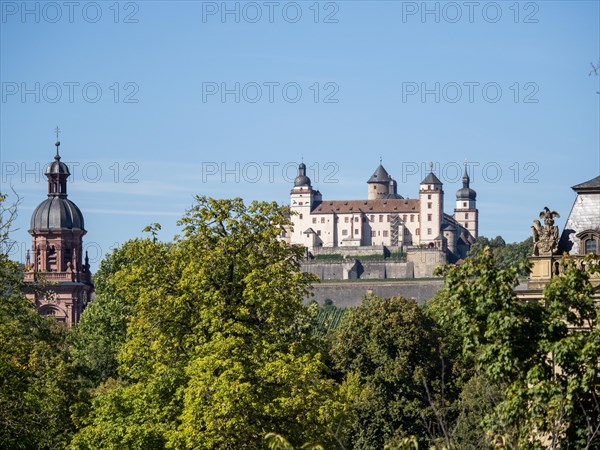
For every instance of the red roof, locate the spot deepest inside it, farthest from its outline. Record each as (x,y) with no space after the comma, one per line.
(389,206)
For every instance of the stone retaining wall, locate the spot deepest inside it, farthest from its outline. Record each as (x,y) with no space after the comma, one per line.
(350,293)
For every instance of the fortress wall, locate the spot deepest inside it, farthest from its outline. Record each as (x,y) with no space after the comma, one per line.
(425,261)
(350,293)
(353,269)
(330,270)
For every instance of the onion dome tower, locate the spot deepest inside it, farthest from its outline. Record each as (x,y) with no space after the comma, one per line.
(466,212)
(57,275)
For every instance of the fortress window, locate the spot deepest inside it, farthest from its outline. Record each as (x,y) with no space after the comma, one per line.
(314,220)
(381,218)
(404,217)
(389,218)
(429,205)
(318,232)
(356,219)
(418,231)
(345,220)
(428,230)
(356,231)
(464,204)
(344,232)
(372,218)
(429,217)
(428,196)
(373,233)
(385,233)
(412,218)
(322,219)
(466,215)
(300,216)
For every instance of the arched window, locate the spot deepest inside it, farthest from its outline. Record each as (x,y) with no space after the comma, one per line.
(591,246)
(589,242)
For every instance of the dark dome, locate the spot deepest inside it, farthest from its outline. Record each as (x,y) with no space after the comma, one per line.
(466,194)
(302,179)
(58,167)
(57,213)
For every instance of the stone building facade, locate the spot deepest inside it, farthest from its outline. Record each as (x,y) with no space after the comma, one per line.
(57,275)
(580,237)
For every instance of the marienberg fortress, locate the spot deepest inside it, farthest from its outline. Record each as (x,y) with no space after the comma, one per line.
(416,230)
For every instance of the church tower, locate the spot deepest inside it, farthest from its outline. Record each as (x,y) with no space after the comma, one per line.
(431,205)
(466,213)
(57,276)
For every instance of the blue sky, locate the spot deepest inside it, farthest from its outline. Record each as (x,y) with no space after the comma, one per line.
(136,88)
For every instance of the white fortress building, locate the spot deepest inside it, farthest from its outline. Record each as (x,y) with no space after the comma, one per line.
(384,219)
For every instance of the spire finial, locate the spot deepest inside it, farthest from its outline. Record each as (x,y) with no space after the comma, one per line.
(465,162)
(57,143)
(86,263)
(431,166)
(380,159)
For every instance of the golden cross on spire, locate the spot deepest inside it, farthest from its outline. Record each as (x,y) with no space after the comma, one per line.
(431,166)
(57,131)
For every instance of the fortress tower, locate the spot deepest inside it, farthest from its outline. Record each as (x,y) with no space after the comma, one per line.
(379,184)
(431,200)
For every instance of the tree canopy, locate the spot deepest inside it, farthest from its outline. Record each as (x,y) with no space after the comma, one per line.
(505,255)
(216,353)
(37,385)
(203,341)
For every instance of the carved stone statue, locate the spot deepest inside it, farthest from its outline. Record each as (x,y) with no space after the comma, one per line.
(545,238)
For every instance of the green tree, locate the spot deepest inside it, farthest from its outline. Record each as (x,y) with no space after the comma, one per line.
(505,255)
(544,355)
(478,399)
(220,350)
(37,386)
(102,329)
(392,347)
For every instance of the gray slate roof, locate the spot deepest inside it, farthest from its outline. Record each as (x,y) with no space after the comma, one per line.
(57,213)
(380,176)
(592,185)
(431,179)
(585,215)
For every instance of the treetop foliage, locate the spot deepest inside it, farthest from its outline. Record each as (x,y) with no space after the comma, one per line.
(204,342)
